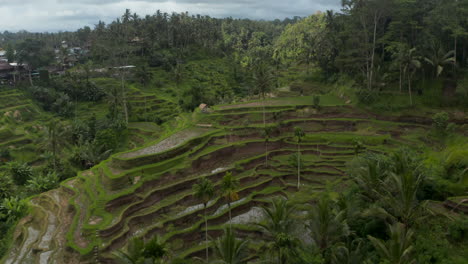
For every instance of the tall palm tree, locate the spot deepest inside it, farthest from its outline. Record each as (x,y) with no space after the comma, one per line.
(229,186)
(228,249)
(134,253)
(204,191)
(278,225)
(298,134)
(411,64)
(139,252)
(398,249)
(327,224)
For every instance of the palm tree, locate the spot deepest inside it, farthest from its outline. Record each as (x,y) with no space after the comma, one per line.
(229,186)
(278,225)
(298,134)
(139,252)
(327,224)
(134,252)
(204,191)
(267,131)
(398,249)
(439,58)
(228,249)
(400,199)
(411,64)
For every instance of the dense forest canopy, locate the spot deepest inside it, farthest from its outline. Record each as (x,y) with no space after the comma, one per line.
(70,100)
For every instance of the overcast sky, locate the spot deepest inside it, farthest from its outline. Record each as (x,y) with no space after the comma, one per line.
(56,15)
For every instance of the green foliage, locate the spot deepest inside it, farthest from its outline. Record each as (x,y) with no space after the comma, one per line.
(204,190)
(230,250)
(316,102)
(43,182)
(398,249)
(107,139)
(7,188)
(20,172)
(12,209)
(440,122)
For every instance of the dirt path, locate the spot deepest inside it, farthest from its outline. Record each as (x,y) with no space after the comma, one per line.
(168,143)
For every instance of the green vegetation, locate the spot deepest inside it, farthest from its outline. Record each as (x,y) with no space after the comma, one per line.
(336,138)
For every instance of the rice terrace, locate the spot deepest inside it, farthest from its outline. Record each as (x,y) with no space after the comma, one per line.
(337,137)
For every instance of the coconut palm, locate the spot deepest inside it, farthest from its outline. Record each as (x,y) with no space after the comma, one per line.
(204,191)
(229,186)
(228,249)
(439,58)
(327,224)
(134,253)
(298,134)
(411,64)
(138,252)
(398,249)
(278,226)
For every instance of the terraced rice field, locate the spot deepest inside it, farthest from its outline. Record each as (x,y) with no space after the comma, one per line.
(18,128)
(148,191)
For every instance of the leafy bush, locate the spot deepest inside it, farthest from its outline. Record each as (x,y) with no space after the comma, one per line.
(20,172)
(43,182)
(440,122)
(316,102)
(12,209)
(107,138)
(6,186)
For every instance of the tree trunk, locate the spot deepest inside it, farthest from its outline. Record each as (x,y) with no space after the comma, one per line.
(401,80)
(230,218)
(266,153)
(409,89)
(30,78)
(298,166)
(206,235)
(124,97)
(371,77)
(455,57)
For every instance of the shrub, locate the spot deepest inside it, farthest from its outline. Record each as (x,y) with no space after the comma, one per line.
(316,102)
(12,209)
(20,172)
(43,182)
(440,122)
(6,186)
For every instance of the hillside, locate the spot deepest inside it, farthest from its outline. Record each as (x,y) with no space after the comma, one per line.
(148,191)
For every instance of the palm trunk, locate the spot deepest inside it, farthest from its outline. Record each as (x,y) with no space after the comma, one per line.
(266,153)
(401,80)
(124,97)
(30,78)
(263,105)
(409,89)
(455,57)
(206,235)
(373,52)
(230,218)
(298,166)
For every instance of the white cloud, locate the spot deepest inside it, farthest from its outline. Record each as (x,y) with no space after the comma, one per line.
(55,15)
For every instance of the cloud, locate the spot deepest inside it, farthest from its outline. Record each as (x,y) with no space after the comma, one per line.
(61,15)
